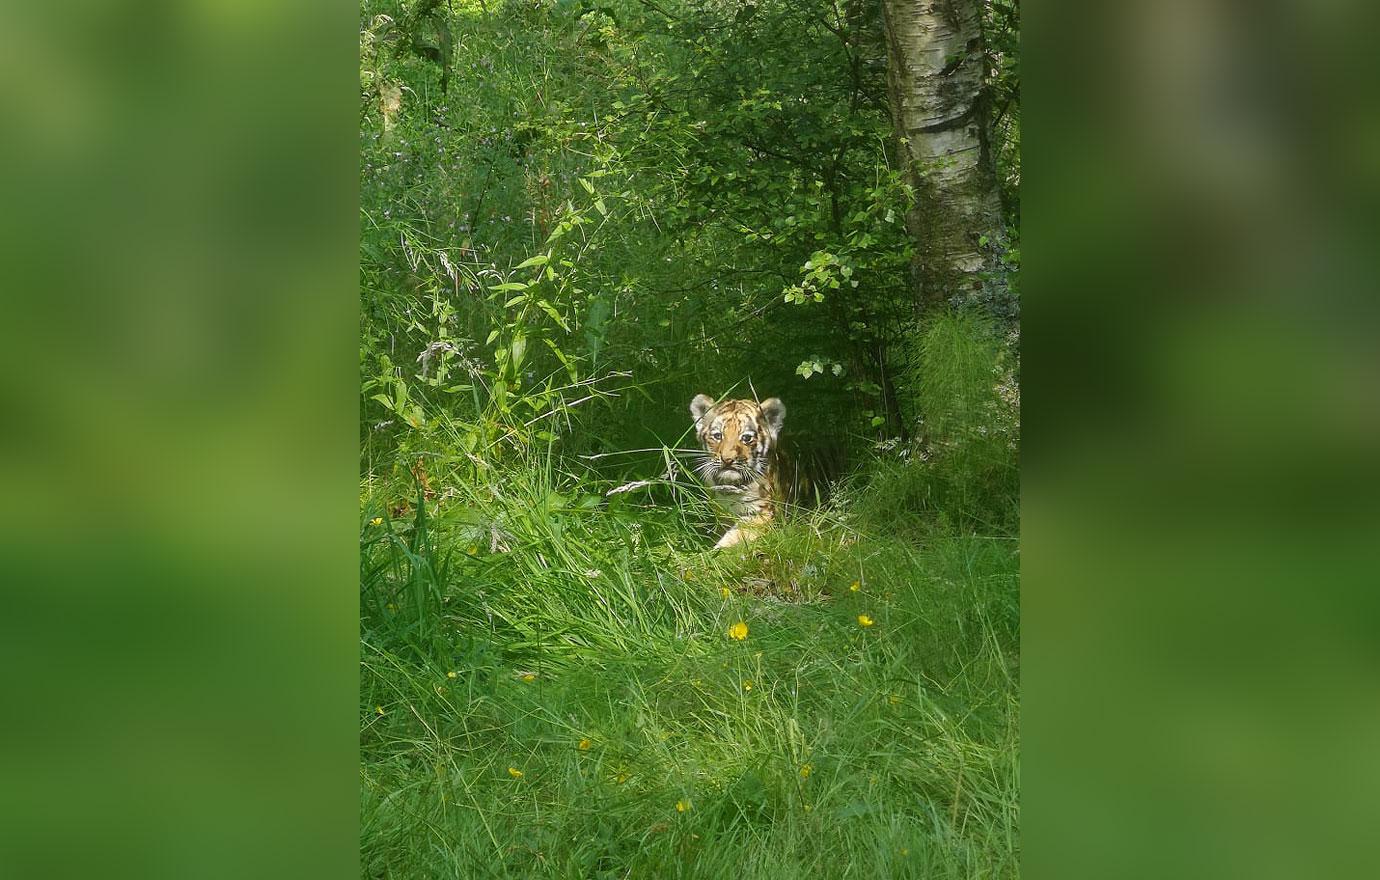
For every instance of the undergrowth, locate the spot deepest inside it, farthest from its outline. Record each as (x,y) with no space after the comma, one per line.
(550,688)
(567,232)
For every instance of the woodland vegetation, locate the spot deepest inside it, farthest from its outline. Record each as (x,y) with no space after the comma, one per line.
(575,215)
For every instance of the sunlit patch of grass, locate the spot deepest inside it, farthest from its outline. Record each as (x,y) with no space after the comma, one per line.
(650,740)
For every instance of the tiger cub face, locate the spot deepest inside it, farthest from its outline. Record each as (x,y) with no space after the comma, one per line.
(738,437)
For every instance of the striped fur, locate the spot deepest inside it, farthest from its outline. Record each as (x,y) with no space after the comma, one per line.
(740,462)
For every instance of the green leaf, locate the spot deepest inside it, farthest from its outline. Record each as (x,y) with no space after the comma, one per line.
(555,315)
(856,808)
(510,285)
(538,260)
(565,361)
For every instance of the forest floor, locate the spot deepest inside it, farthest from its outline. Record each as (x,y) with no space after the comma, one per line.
(556,688)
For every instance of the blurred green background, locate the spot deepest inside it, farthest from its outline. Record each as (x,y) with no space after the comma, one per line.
(1198,508)
(180,311)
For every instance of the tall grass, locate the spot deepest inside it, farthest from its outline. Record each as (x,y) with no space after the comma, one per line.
(964,383)
(549,687)
(521,628)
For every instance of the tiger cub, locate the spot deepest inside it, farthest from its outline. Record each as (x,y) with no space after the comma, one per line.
(741,463)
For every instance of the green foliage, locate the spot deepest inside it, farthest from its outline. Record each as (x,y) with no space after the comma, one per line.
(1001,32)
(812,744)
(580,215)
(968,389)
(720,179)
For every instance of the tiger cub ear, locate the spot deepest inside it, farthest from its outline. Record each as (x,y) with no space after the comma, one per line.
(700,405)
(774,411)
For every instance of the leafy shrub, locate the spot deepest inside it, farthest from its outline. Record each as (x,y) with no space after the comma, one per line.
(962,471)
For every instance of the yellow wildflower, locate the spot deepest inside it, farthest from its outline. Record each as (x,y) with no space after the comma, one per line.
(805,771)
(723,591)
(621,778)
(584,745)
(376,521)
(864,620)
(378,709)
(738,631)
(473,550)
(747,684)
(527,676)
(682,806)
(451,674)
(855,586)
(808,808)
(515,772)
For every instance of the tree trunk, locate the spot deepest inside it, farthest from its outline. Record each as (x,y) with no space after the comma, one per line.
(935,68)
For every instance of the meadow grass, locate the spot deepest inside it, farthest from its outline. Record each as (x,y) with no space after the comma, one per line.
(549,688)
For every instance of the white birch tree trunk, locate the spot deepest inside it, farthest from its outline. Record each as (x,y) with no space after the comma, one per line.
(935,79)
